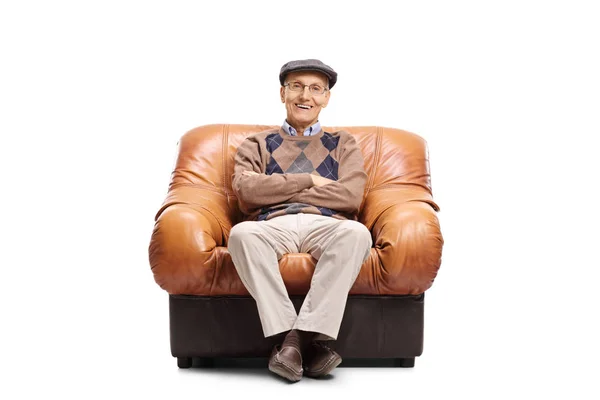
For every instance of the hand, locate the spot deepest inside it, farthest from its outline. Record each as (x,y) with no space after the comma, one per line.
(320,181)
(249,173)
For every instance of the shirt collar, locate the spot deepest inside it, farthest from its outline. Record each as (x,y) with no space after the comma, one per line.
(312,130)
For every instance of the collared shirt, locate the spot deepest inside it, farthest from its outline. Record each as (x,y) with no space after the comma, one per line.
(313,130)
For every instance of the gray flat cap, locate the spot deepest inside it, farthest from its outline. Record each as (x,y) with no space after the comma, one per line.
(308,65)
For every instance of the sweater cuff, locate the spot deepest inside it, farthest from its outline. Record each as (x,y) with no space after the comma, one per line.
(304,181)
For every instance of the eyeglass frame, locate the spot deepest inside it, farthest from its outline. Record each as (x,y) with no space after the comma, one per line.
(325,89)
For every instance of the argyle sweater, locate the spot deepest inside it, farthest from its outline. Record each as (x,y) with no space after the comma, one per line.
(284,164)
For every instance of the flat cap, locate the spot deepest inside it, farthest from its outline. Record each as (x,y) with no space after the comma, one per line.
(308,65)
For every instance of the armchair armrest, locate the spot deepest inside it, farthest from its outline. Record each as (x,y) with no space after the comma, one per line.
(407,240)
(189,226)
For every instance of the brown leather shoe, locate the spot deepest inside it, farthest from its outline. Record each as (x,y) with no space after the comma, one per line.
(320,360)
(286,362)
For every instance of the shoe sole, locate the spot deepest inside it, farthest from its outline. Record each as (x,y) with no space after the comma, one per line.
(284,372)
(330,367)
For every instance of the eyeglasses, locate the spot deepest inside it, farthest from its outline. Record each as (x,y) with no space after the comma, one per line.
(315,89)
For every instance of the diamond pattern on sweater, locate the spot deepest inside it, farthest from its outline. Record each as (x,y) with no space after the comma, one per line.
(273,167)
(273,141)
(328,168)
(291,157)
(301,164)
(302,145)
(296,157)
(286,154)
(329,141)
(326,211)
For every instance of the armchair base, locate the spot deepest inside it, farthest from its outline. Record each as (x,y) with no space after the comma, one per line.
(210,331)
(262,362)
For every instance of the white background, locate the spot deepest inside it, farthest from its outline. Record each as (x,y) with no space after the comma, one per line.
(95,95)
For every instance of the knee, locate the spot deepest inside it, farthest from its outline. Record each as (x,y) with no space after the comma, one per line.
(241,231)
(355,229)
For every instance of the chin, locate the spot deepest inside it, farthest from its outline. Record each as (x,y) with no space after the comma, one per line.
(307,118)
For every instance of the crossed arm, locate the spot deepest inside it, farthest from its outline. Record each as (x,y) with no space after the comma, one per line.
(317,180)
(255,189)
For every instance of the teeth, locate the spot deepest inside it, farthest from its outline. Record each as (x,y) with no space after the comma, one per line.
(304,106)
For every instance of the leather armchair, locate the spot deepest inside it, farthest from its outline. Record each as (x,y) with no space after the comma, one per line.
(211,313)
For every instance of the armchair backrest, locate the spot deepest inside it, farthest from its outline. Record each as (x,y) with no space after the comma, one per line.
(396,161)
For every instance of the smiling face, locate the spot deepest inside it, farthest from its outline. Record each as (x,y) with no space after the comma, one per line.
(303,107)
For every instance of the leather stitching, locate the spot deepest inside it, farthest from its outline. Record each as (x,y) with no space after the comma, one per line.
(277,359)
(327,364)
(324,366)
(375,160)
(224,160)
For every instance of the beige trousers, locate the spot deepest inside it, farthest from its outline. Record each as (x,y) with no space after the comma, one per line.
(340,246)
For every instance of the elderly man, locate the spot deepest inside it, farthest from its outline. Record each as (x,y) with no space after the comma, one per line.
(301,189)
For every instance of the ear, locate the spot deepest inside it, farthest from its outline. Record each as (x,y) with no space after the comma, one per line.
(282,94)
(326,100)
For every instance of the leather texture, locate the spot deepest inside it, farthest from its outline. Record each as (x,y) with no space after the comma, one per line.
(188,247)
(286,362)
(320,360)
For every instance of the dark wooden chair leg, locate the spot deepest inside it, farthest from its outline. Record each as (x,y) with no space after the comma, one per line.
(184,362)
(404,362)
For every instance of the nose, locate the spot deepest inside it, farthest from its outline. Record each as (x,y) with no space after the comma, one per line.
(305,93)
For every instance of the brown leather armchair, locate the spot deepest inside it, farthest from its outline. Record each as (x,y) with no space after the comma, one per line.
(212,316)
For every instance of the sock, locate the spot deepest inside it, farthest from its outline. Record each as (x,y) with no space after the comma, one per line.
(298,339)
